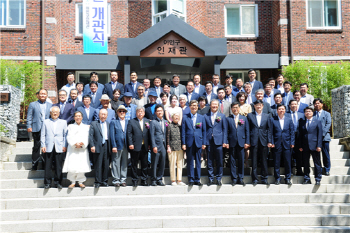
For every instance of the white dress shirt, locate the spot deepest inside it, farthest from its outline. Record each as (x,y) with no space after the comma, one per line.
(252,83)
(141,124)
(208,97)
(249,99)
(54,124)
(196,88)
(258,118)
(281,122)
(215,89)
(104,130)
(122,122)
(189,97)
(213,117)
(87,110)
(280,88)
(194,119)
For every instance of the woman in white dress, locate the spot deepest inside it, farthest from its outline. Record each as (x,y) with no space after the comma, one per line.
(173,108)
(77,159)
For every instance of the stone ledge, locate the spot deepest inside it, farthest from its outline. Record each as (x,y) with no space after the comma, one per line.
(346,142)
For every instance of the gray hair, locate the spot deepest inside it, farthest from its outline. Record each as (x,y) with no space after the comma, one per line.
(73,89)
(259,90)
(62,90)
(139,108)
(183,97)
(52,108)
(214,100)
(103,110)
(141,85)
(247,83)
(78,112)
(175,113)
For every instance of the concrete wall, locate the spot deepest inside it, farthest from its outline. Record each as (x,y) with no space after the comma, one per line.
(341,111)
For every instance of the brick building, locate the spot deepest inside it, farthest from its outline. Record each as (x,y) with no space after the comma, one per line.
(223,36)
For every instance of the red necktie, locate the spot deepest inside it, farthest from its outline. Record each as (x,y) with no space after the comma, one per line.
(222,107)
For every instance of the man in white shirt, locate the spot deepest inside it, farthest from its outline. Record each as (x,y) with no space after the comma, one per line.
(280,81)
(228,81)
(216,83)
(70,85)
(157,82)
(198,88)
(248,89)
(268,97)
(306,98)
(229,97)
(177,88)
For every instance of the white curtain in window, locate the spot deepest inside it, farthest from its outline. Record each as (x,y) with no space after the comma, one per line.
(248,20)
(315,13)
(330,13)
(233,22)
(178,5)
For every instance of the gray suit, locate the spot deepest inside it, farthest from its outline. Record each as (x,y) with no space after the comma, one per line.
(182,89)
(54,138)
(308,99)
(227,108)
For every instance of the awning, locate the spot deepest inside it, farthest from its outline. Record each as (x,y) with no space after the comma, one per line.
(87,62)
(251,61)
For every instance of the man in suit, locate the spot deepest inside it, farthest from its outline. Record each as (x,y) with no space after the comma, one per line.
(248,90)
(287,95)
(95,96)
(119,158)
(260,140)
(70,85)
(272,82)
(66,109)
(150,109)
(238,140)
(131,113)
(147,84)
(228,81)
(209,94)
(100,147)
(278,100)
(54,145)
(157,82)
(310,142)
(259,95)
(158,128)
(73,99)
(138,141)
(269,95)
(193,137)
(38,111)
(326,121)
(216,138)
(239,87)
(216,83)
(229,95)
(252,80)
(280,83)
(87,110)
(191,95)
(80,88)
(177,88)
(296,154)
(283,141)
(224,106)
(305,97)
(198,87)
(94,78)
(114,84)
(104,105)
(132,86)
(301,106)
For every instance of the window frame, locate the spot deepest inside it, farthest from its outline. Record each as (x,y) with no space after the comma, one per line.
(77,20)
(257,78)
(256,11)
(169,11)
(323,23)
(7,15)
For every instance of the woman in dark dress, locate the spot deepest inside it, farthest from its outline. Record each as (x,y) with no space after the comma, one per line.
(203,107)
(115,102)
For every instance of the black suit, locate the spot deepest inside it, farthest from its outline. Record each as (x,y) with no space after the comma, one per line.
(266,109)
(101,153)
(68,112)
(260,136)
(139,138)
(109,90)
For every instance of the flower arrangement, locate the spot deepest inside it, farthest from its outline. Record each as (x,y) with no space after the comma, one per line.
(199,125)
(218,119)
(241,122)
(147,125)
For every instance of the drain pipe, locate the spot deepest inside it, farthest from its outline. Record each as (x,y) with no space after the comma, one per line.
(42,40)
(291,32)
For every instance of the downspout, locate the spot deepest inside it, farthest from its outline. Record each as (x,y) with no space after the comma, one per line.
(42,40)
(291,32)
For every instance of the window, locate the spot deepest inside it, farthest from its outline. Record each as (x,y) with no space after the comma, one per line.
(164,8)
(13,13)
(84,76)
(241,20)
(323,14)
(243,74)
(79,19)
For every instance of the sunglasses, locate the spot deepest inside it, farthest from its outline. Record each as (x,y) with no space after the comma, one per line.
(122,111)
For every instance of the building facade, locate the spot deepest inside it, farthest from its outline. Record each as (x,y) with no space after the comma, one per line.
(216,36)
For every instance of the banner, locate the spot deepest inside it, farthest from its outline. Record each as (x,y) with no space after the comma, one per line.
(95,37)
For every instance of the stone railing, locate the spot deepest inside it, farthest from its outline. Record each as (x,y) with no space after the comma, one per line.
(341,111)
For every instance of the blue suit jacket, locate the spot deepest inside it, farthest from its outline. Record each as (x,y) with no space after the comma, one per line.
(260,133)
(218,131)
(300,116)
(117,135)
(257,85)
(34,116)
(310,138)
(284,98)
(213,96)
(128,88)
(188,133)
(50,138)
(87,120)
(77,103)
(326,122)
(195,96)
(100,89)
(282,138)
(96,103)
(239,135)
(110,116)
(109,90)
(253,98)
(158,137)
(154,89)
(235,91)
(201,90)
(68,112)
(302,106)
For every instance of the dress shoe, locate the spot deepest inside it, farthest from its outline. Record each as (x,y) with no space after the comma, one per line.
(97,186)
(104,184)
(198,183)
(327,174)
(277,182)
(265,182)
(160,183)
(234,182)
(72,185)
(210,183)
(289,182)
(123,185)
(318,183)
(190,184)
(255,182)
(241,182)
(134,183)
(154,183)
(47,186)
(307,182)
(117,185)
(59,186)
(219,183)
(144,183)
(81,185)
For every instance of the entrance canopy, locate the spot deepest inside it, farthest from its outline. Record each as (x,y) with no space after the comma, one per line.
(171,46)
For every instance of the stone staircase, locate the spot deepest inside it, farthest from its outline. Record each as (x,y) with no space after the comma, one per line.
(27,207)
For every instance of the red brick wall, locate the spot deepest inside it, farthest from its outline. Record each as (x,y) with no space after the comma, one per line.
(140,17)
(197,15)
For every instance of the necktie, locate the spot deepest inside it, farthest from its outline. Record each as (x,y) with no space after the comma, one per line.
(294,120)
(103,133)
(73,103)
(307,124)
(62,108)
(222,106)
(249,99)
(317,115)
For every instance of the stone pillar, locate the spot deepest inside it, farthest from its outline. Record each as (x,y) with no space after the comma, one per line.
(217,67)
(126,72)
(341,111)
(10,111)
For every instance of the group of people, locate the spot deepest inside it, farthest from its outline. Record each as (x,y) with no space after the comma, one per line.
(113,126)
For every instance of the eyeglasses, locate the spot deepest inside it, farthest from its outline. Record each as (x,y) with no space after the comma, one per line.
(122,111)
(140,89)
